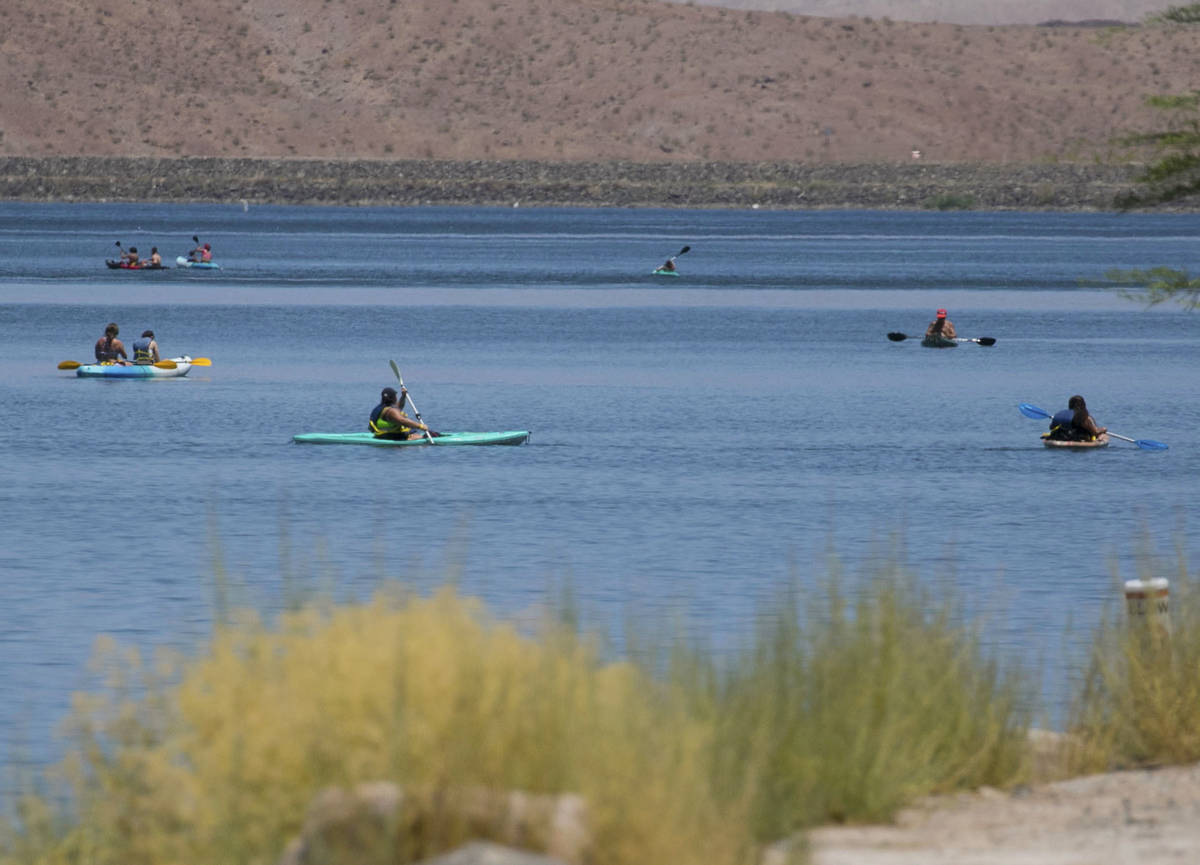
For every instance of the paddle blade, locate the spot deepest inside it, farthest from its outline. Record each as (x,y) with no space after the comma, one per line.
(1034,412)
(897,337)
(70,364)
(201,361)
(986,340)
(1150,445)
(685,249)
(396,372)
(166,364)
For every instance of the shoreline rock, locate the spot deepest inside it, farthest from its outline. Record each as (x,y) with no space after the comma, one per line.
(790,186)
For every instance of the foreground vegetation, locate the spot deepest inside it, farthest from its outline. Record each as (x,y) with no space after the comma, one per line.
(849,703)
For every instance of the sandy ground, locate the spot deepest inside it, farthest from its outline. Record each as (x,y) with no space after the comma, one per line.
(1146,817)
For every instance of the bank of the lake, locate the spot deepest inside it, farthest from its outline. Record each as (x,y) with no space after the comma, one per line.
(792,185)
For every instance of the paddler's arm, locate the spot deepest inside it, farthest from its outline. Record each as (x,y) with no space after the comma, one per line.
(400,417)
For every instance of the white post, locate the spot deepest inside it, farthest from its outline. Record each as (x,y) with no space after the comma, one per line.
(1147,603)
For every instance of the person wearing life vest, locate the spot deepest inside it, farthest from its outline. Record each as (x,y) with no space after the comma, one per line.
(388,420)
(129,258)
(145,349)
(1074,423)
(940,327)
(109,349)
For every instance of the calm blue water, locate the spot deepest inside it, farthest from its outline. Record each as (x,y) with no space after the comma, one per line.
(697,442)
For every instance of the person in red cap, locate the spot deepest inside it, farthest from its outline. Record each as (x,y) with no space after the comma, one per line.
(940,327)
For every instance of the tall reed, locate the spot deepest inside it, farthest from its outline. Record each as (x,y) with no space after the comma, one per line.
(848,705)
(1139,703)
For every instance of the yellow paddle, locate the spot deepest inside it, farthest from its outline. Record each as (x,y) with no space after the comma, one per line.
(162,364)
(201,361)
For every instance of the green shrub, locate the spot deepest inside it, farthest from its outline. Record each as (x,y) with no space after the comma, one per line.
(949,201)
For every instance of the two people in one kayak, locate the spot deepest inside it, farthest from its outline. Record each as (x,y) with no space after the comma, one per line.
(130,258)
(1074,423)
(109,349)
(941,327)
(388,420)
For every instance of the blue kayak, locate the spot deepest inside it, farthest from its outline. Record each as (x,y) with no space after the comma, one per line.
(180,261)
(174,367)
(661,272)
(508,437)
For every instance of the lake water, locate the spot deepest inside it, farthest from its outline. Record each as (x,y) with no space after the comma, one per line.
(698,442)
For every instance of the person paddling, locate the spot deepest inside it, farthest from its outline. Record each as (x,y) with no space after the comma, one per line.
(203,252)
(941,327)
(669,264)
(109,349)
(388,420)
(1074,423)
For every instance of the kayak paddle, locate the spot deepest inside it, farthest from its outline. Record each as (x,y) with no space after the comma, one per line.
(1032,411)
(162,364)
(895,336)
(416,411)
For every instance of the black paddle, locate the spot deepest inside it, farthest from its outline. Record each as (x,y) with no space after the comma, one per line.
(669,264)
(895,336)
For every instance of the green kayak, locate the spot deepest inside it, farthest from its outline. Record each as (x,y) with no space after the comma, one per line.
(939,342)
(509,437)
(661,272)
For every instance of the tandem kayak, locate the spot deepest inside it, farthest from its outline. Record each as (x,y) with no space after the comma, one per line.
(180,261)
(939,342)
(135,370)
(125,265)
(661,272)
(1099,442)
(509,437)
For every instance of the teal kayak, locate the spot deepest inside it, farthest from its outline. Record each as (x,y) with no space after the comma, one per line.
(661,272)
(939,342)
(509,437)
(135,370)
(180,261)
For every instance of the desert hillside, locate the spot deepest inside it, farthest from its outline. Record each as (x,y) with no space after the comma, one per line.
(565,80)
(1003,12)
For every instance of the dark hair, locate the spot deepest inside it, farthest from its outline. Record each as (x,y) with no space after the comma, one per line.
(112,329)
(388,395)
(148,333)
(1077,405)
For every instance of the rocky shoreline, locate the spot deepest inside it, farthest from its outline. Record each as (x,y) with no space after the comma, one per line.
(911,186)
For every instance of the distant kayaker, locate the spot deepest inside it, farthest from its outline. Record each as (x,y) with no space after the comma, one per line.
(203,252)
(130,256)
(669,264)
(155,258)
(940,327)
(1074,423)
(145,349)
(388,420)
(109,349)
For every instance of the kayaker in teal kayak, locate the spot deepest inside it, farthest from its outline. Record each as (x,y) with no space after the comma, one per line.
(1074,423)
(202,252)
(388,420)
(145,349)
(109,349)
(941,327)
